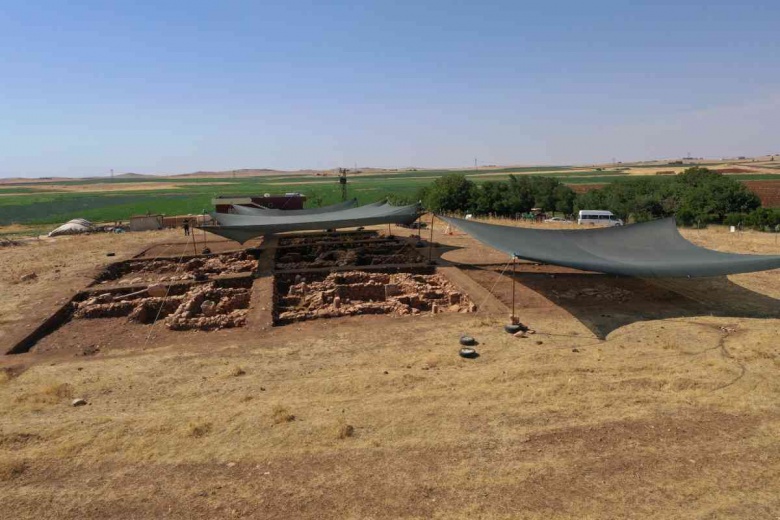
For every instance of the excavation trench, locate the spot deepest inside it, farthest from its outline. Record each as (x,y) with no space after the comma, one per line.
(203,292)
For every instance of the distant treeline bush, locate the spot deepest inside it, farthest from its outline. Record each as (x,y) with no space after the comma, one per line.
(456,193)
(697,196)
(762,219)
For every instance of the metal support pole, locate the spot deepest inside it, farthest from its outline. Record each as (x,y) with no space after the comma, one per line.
(204,229)
(194,246)
(430,242)
(513,286)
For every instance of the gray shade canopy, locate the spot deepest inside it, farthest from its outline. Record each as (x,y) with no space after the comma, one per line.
(650,250)
(261,211)
(246,227)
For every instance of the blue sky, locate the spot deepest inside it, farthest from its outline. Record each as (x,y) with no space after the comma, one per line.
(173,87)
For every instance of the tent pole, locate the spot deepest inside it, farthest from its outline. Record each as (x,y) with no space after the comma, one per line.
(430,242)
(194,246)
(204,229)
(513,287)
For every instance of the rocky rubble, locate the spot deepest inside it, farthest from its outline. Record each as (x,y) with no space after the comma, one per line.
(319,238)
(143,271)
(208,307)
(390,251)
(358,292)
(137,308)
(204,307)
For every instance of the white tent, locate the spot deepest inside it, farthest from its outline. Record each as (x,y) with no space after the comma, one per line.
(73,227)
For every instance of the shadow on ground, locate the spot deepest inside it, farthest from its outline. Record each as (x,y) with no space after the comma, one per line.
(605,303)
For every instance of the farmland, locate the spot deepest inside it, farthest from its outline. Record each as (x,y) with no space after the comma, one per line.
(36,203)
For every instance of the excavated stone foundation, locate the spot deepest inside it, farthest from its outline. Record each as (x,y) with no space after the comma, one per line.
(141,271)
(207,307)
(338,239)
(371,251)
(201,307)
(353,293)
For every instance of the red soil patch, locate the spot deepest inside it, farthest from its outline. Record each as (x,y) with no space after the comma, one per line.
(585,188)
(736,170)
(767,191)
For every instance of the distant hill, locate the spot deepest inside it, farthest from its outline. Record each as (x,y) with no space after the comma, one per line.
(246,172)
(131,175)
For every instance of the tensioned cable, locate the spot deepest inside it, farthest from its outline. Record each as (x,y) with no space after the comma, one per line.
(167,292)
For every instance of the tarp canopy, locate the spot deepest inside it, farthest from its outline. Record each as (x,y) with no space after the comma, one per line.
(246,227)
(649,250)
(261,211)
(73,227)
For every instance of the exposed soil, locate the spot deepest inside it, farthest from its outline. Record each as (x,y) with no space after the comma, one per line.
(767,191)
(585,188)
(196,246)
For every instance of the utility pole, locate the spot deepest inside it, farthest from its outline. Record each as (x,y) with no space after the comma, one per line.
(112,174)
(475,165)
(343,183)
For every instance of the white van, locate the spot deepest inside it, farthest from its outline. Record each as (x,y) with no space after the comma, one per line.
(597,217)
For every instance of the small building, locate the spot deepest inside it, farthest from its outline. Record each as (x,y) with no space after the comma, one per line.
(146,222)
(193,220)
(223,203)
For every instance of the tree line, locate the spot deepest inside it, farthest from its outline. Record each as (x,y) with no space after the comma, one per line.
(697,196)
(519,194)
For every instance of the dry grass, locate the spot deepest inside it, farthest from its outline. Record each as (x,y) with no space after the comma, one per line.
(521,421)
(199,429)
(52,393)
(63,266)
(280,415)
(11,469)
(236,372)
(379,417)
(344,430)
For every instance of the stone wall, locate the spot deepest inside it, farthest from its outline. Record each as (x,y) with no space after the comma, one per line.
(359,292)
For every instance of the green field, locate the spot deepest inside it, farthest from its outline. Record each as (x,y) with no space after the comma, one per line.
(24,203)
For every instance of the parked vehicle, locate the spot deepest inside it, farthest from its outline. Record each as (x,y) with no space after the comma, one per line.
(560,220)
(596,217)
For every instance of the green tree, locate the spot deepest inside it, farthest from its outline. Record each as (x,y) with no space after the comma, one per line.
(544,192)
(697,195)
(453,192)
(519,195)
(564,199)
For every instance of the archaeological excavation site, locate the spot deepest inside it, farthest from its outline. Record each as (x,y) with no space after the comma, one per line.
(327,276)
(286,279)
